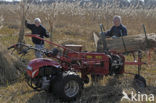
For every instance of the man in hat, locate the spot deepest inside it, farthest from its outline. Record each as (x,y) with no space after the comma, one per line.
(118,29)
(37,29)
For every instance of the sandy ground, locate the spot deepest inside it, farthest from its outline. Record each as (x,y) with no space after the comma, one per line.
(109,90)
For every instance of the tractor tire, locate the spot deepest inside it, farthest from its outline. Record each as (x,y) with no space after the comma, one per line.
(32,85)
(68,87)
(139,81)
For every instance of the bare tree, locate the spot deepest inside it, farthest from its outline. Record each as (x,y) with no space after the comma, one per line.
(1,21)
(24,8)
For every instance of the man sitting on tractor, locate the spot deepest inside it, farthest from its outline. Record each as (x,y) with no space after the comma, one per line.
(118,29)
(37,29)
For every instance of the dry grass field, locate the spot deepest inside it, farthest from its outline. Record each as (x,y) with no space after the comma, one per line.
(69,23)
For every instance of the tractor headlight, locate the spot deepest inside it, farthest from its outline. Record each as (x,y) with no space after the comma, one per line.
(29,68)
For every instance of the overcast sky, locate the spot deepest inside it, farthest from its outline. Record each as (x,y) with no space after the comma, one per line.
(20,0)
(10,0)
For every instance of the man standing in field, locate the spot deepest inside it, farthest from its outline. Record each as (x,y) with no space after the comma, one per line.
(39,30)
(118,29)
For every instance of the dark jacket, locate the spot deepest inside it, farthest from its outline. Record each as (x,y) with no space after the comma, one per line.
(41,31)
(116,31)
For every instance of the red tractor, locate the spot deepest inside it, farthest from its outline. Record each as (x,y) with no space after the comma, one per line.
(60,73)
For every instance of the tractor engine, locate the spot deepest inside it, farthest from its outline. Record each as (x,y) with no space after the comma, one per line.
(116,64)
(43,79)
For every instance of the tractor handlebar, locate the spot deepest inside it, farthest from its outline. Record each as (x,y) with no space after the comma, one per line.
(28,47)
(50,43)
(49,53)
(13,46)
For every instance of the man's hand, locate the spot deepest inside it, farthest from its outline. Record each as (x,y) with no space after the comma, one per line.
(26,21)
(47,34)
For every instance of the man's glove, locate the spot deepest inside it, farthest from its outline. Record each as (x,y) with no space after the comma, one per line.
(47,34)
(26,21)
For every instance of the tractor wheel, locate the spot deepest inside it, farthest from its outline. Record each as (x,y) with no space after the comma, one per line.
(68,87)
(139,81)
(33,83)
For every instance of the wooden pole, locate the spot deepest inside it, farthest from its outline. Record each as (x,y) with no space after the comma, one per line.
(23,16)
(21,32)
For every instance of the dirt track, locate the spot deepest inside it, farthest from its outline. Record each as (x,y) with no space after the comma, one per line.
(109,92)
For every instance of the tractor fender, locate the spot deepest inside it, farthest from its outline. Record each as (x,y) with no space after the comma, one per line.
(35,64)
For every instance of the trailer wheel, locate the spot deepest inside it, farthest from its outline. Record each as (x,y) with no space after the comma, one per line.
(139,81)
(68,87)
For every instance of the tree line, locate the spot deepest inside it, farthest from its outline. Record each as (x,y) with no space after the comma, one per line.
(121,3)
